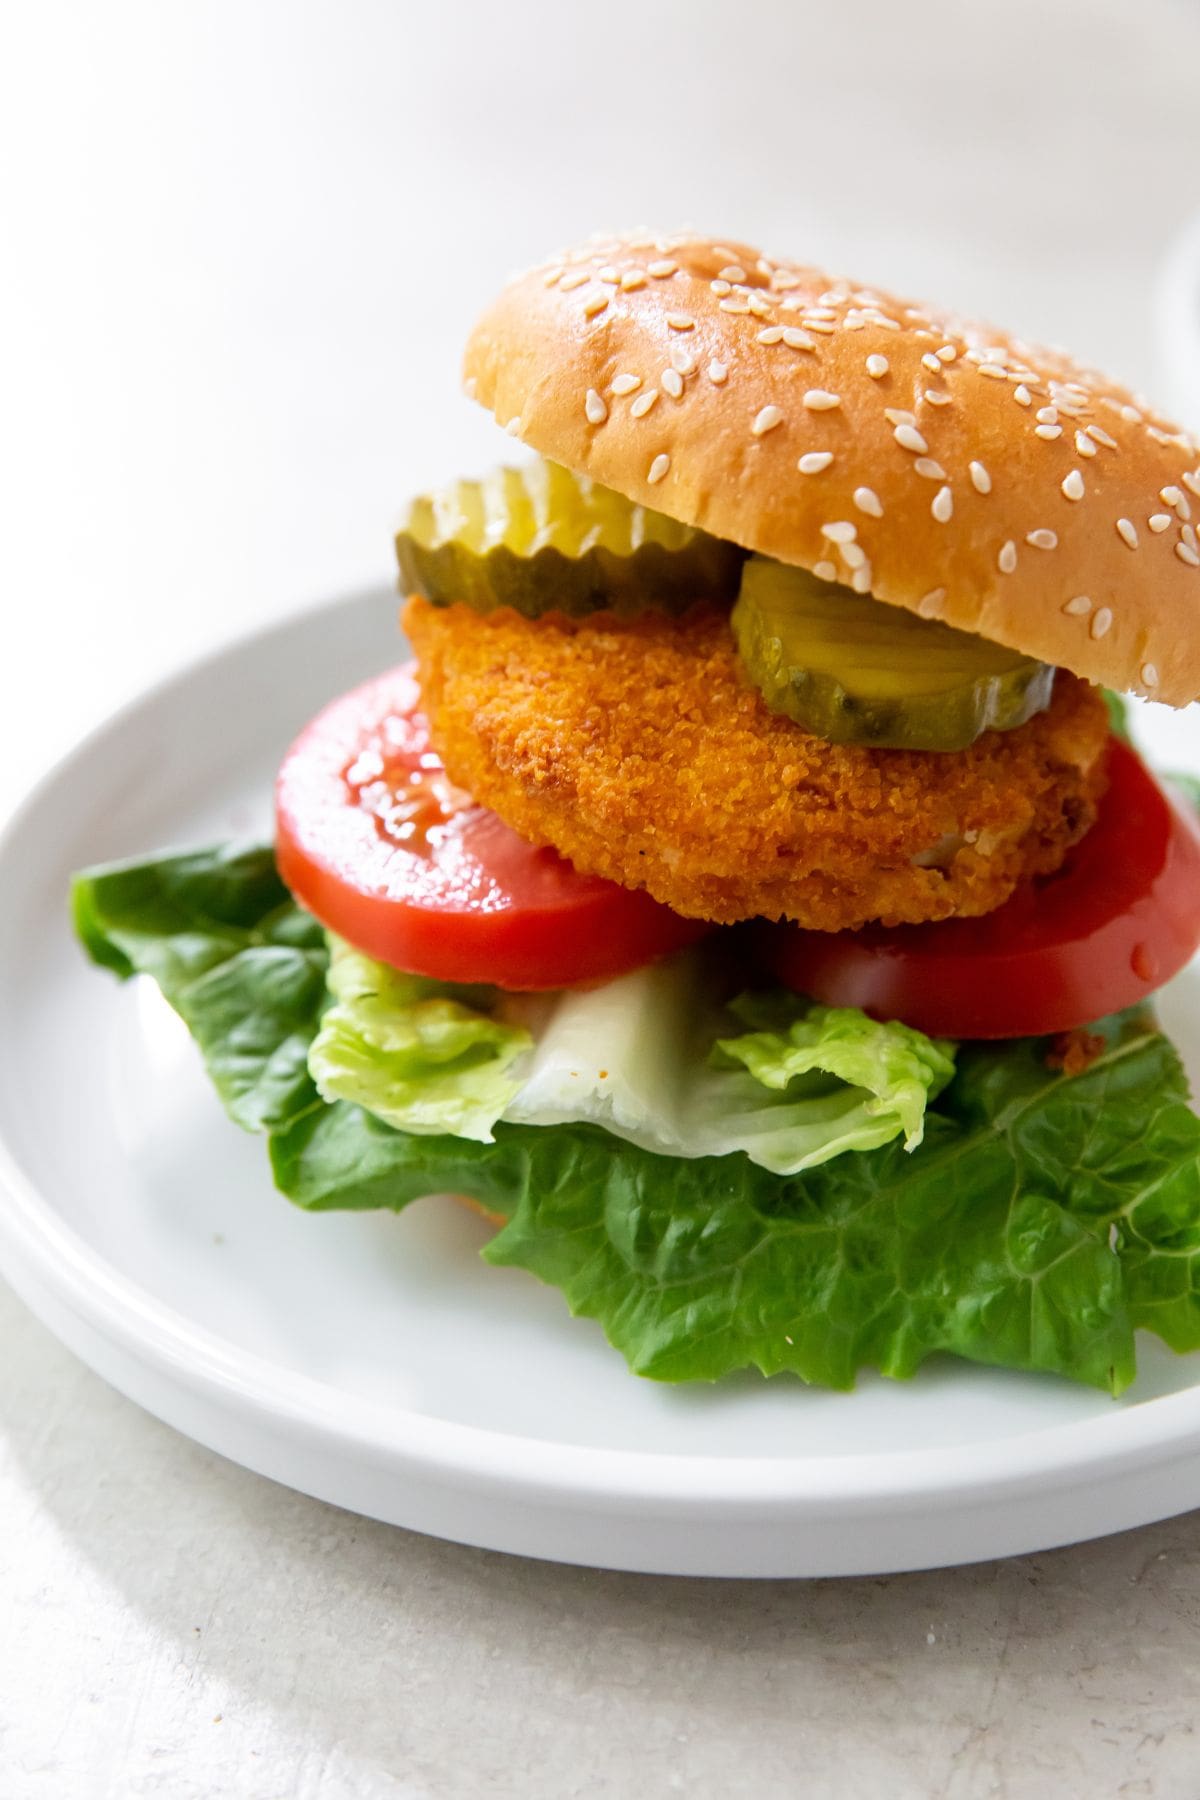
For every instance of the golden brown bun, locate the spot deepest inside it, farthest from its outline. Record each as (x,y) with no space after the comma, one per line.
(1013,493)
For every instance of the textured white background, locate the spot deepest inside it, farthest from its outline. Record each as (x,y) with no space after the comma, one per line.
(240,246)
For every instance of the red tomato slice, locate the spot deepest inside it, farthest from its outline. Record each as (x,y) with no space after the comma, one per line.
(1120,918)
(375,840)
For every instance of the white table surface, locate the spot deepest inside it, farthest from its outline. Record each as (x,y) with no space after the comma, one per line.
(241,245)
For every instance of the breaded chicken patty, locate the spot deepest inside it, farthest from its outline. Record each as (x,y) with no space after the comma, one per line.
(640,752)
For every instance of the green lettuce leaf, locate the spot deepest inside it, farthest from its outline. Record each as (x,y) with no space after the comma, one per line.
(235,956)
(424,1056)
(892,1071)
(635,1055)
(1042,1220)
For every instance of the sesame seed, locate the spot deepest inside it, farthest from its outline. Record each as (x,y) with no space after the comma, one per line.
(853,555)
(681,322)
(1048,432)
(717,373)
(631,279)
(733,272)
(930,604)
(660,270)
(942,506)
(771,334)
(867,500)
(877,367)
(909,438)
(1159,521)
(1188,534)
(551,276)
(575,279)
(1041,539)
(981,481)
(759,307)
(1192,482)
(733,306)
(1101,620)
(947,353)
(1101,436)
(1173,496)
(813,461)
(595,408)
(513,427)
(1022,395)
(1128,531)
(994,370)
(1072,485)
(931,363)
(795,339)
(1186,554)
(821,325)
(825,571)
(932,471)
(842,531)
(1007,559)
(766,420)
(672,383)
(720,287)
(626,384)
(1149,675)
(1047,415)
(935,398)
(1084,444)
(595,305)
(1131,415)
(895,416)
(1079,607)
(821,400)
(682,360)
(471,387)
(860,581)
(643,403)
(658,468)
(608,275)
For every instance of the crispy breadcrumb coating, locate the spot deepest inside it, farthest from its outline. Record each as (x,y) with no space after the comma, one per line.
(640,751)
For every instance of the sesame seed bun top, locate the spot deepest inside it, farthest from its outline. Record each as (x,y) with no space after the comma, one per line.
(937,464)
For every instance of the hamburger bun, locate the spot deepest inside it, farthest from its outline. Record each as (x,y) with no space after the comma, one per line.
(940,465)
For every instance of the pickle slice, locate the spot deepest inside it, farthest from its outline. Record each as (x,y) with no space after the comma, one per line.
(854,671)
(541,539)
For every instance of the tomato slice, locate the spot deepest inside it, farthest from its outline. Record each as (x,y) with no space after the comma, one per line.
(374,839)
(1120,918)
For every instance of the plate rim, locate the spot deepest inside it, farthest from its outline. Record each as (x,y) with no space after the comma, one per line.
(37,1244)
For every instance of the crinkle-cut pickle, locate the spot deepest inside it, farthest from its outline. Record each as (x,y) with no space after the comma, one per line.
(541,539)
(855,671)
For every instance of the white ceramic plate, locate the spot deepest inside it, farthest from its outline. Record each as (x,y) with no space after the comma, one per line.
(373,1360)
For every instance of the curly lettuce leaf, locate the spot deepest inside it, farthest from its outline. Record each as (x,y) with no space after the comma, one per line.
(424,1056)
(1043,1219)
(235,956)
(892,1070)
(635,1055)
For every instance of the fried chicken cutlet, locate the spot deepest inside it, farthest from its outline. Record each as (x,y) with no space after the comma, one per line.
(640,752)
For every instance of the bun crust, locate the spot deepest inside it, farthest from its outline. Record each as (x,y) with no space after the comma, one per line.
(938,464)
